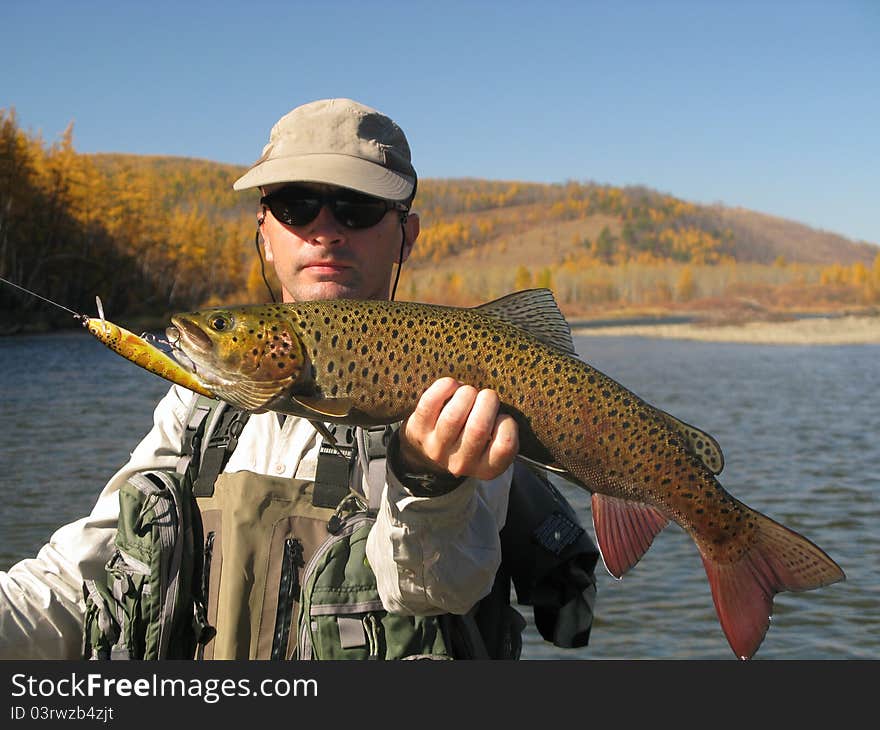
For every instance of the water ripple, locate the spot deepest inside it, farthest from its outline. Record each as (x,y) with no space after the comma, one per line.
(798,427)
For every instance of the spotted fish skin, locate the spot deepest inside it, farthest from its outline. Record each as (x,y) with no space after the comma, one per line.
(368,362)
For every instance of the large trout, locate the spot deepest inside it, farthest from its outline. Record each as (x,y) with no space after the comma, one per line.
(367,362)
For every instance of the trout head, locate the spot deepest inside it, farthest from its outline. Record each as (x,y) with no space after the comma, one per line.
(246,356)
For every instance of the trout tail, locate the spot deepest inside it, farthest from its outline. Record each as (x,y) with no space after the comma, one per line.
(779,560)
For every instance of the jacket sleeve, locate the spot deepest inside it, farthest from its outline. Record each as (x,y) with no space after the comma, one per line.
(41,601)
(438,554)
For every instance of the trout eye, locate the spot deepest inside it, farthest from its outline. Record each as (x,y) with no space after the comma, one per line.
(220,323)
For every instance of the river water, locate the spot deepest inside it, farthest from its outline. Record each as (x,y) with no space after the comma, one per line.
(798,425)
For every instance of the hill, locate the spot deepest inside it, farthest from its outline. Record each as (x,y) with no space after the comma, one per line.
(153,235)
(517,216)
(605,248)
(562,217)
(763,238)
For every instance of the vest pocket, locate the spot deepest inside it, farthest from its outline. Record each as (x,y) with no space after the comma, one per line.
(295,579)
(265,529)
(143,605)
(342,616)
(116,626)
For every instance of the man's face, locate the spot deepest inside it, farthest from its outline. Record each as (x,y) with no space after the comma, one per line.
(326,260)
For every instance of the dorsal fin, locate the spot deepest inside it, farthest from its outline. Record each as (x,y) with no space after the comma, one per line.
(536,312)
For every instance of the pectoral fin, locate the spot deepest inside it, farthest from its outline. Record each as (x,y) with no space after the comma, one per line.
(541,466)
(323,407)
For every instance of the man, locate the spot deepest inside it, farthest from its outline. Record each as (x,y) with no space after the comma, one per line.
(337,184)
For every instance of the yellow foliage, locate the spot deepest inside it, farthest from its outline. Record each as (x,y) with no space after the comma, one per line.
(454,284)
(522,278)
(161,233)
(832,275)
(859,275)
(685,287)
(544,279)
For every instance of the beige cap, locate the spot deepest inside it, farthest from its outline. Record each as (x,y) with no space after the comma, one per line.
(338,142)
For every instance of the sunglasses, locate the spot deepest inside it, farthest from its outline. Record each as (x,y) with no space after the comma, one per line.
(296,205)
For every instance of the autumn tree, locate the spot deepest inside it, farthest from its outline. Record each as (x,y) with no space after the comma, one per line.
(685,287)
(522,279)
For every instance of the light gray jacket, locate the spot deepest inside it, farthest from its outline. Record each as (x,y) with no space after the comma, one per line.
(430,555)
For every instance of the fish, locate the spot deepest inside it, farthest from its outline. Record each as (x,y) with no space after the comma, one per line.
(367,363)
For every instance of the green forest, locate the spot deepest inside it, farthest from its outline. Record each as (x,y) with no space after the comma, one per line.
(155,235)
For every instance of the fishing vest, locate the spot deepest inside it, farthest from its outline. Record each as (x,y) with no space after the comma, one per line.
(240,565)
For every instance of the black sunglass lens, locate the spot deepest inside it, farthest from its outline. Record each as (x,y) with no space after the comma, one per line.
(359,214)
(295,211)
(300,207)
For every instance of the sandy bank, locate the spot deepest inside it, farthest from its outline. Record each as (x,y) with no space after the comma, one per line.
(848,330)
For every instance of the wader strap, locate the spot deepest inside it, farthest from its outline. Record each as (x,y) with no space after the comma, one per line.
(202,462)
(221,444)
(192,437)
(372,446)
(335,467)
(336,463)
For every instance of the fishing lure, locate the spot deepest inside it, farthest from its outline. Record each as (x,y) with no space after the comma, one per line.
(133,348)
(140,351)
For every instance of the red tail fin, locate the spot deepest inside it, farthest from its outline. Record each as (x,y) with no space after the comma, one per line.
(780,560)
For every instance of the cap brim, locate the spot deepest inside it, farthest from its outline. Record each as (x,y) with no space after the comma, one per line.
(332,169)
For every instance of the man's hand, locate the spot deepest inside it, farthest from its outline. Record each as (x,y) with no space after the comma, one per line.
(457,429)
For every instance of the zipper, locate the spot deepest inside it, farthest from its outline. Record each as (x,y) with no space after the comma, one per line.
(206,565)
(206,585)
(288,593)
(305,647)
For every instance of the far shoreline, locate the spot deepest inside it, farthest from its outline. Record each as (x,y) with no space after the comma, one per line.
(828,330)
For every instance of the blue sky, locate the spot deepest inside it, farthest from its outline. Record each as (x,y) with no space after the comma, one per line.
(772,106)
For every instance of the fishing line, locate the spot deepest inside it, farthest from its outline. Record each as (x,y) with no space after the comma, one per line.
(39,296)
(149,337)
